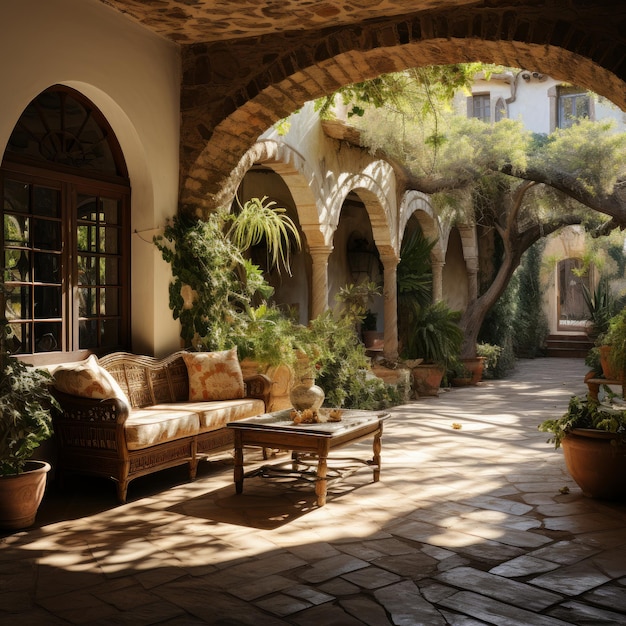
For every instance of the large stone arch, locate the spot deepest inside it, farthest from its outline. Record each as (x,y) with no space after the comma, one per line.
(273,75)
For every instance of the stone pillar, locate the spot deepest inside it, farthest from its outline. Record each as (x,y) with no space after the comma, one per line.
(390,304)
(437,267)
(319,279)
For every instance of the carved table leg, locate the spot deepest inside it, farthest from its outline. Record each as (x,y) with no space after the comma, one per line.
(321,484)
(377,445)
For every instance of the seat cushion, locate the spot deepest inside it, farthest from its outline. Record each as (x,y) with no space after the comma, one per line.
(214,375)
(153,425)
(217,414)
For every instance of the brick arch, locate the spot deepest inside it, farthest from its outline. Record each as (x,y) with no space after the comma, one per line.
(271,76)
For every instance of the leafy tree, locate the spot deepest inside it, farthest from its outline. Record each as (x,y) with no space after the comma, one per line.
(530,327)
(516,186)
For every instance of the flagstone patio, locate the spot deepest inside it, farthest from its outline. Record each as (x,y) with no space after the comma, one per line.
(467,526)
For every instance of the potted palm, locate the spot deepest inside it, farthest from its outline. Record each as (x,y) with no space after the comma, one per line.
(593,437)
(436,339)
(26,407)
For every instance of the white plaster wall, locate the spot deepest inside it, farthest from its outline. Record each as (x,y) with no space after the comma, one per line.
(455,286)
(134,78)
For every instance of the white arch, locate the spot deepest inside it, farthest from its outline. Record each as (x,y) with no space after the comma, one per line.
(375,185)
(418,203)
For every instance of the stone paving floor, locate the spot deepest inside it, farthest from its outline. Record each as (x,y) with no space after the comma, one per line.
(467,526)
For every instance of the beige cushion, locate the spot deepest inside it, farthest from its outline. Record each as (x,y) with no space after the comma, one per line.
(214,375)
(218,413)
(88,380)
(150,426)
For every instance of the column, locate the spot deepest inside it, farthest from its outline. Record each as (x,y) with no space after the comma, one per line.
(319,279)
(437,267)
(390,307)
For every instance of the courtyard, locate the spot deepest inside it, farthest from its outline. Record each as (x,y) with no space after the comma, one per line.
(474,521)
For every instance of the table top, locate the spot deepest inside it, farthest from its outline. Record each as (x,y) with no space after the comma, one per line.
(280,421)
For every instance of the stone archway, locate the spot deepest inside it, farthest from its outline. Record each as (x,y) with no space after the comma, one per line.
(273,75)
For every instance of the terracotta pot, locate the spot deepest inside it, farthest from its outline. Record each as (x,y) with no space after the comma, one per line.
(306,395)
(596,463)
(373,339)
(607,370)
(427,379)
(21,495)
(475,367)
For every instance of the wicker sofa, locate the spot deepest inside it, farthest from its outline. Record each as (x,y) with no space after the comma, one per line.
(149,423)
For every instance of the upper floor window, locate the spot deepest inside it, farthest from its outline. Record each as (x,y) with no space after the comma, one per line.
(501,110)
(572,104)
(65,198)
(481,107)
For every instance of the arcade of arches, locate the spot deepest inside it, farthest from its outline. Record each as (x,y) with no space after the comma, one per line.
(189,88)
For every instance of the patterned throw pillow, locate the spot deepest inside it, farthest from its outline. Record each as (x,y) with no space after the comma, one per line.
(214,375)
(88,380)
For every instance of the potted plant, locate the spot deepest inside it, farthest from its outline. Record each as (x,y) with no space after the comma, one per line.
(436,338)
(593,437)
(601,305)
(26,407)
(613,347)
(372,338)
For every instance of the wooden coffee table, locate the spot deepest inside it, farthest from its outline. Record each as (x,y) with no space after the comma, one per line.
(277,430)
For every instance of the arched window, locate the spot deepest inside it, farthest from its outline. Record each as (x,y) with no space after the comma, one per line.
(501,110)
(65,242)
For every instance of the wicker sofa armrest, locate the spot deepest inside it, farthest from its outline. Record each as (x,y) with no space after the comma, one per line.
(111,410)
(258,386)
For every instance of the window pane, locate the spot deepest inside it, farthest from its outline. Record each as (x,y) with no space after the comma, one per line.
(46,202)
(109,238)
(47,267)
(110,210)
(86,270)
(87,208)
(86,238)
(572,106)
(47,302)
(109,301)
(88,334)
(47,234)
(87,302)
(110,333)
(481,107)
(16,229)
(17,264)
(17,303)
(47,336)
(18,340)
(109,274)
(16,196)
